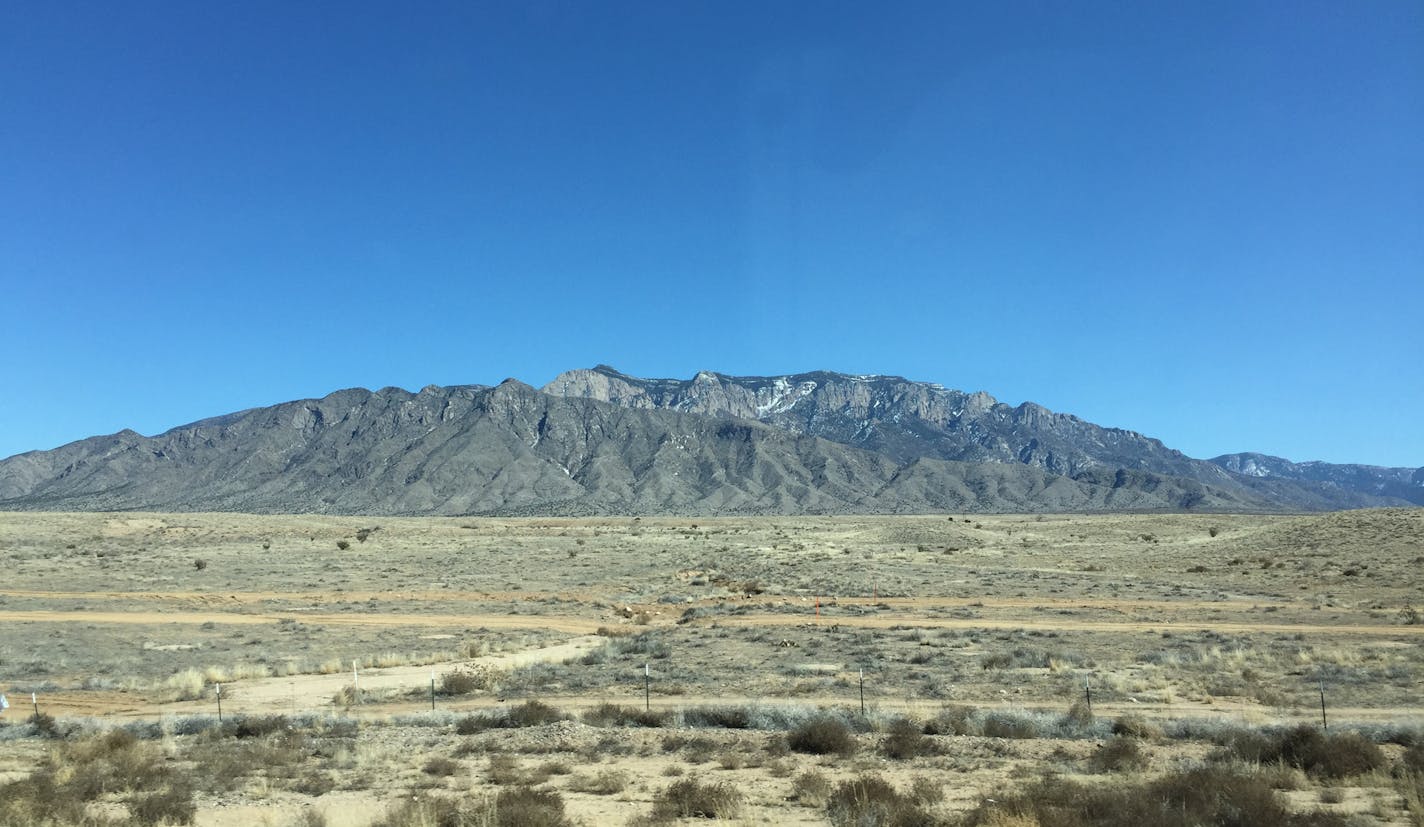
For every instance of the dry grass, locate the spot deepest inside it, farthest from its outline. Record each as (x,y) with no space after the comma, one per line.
(974,637)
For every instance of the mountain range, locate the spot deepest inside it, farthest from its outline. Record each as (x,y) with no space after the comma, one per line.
(598,441)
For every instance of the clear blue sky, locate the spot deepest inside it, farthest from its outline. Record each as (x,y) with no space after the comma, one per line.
(1201,221)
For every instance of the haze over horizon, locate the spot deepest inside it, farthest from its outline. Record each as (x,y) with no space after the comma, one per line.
(1202,225)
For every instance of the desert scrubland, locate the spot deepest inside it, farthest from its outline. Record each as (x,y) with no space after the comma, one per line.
(976,669)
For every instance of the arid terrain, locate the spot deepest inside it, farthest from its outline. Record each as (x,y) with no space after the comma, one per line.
(662,651)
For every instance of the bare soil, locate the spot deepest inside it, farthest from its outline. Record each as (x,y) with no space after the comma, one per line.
(1242,619)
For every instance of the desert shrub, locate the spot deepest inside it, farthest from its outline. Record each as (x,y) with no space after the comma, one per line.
(647,644)
(953,720)
(1135,726)
(776,745)
(605,746)
(1026,658)
(437,811)
(1079,716)
(697,744)
(906,739)
(39,799)
(343,545)
(689,799)
(871,801)
(725,717)
(472,724)
(170,804)
(222,764)
(45,726)
(442,766)
(313,782)
(811,789)
(346,697)
(925,790)
(254,726)
(996,661)
(607,714)
(1005,724)
(529,713)
(1120,754)
(533,713)
(1413,758)
(605,782)
(504,769)
(1213,795)
(1410,785)
(108,763)
(1322,755)
(465,680)
(1333,755)
(822,736)
(528,807)
(115,768)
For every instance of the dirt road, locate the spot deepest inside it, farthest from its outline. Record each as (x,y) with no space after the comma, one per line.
(827,617)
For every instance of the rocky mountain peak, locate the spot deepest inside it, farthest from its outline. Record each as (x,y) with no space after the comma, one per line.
(600,441)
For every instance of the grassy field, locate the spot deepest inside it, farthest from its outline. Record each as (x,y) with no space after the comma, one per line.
(616,669)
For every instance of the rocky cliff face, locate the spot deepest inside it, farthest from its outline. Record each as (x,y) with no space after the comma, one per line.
(894,416)
(906,420)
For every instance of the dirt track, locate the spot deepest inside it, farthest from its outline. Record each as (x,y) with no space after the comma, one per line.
(226,598)
(577,625)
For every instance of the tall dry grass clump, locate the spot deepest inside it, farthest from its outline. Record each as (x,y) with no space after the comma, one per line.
(1216,794)
(689,798)
(115,768)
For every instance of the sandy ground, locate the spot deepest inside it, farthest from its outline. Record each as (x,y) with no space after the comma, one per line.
(1166,616)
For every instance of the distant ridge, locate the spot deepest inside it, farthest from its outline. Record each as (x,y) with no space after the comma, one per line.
(907,420)
(601,442)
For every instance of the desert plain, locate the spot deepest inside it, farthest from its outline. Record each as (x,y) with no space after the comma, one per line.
(382,670)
